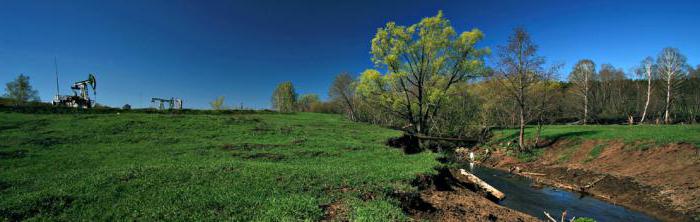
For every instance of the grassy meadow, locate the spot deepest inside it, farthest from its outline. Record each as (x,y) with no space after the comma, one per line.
(200,167)
(659,134)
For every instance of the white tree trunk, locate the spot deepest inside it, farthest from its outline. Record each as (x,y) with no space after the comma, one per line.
(646,104)
(668,99)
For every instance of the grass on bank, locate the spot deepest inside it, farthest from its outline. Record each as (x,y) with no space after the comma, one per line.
(659,134)
(199,167)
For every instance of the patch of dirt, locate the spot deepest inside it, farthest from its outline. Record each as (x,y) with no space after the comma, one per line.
(463,205)
(662,181)
(266,156)
(442,199)
(13,154)
(309,153)
(250,146)
(335,211)
(44,142)
(4,185)
(409,144)
(51,205)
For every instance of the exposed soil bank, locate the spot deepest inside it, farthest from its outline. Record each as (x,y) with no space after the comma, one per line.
(443,198)
(662,181)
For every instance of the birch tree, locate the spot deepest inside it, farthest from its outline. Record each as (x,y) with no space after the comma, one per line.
(519,68)
(672,69)
(647,71)
(582,78)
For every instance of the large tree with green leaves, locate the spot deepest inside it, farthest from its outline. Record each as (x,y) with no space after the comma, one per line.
(423,62)
(284,98)
(20,91)
(307,102)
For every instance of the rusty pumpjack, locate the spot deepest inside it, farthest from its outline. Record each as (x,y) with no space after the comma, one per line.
(173,103)
(81,95)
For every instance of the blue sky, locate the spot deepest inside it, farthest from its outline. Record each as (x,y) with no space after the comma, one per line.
(198,50)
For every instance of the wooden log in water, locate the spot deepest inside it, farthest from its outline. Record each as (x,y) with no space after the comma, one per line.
(466,177)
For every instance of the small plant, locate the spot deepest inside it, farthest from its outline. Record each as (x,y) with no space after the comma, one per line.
(595,152)
(529,156)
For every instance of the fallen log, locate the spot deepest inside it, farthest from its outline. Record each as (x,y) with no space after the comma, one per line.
(422,137)
(468,178)
(533,174)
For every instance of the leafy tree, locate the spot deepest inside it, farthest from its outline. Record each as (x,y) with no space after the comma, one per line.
(519,68)
(343,91)
(672,69)
(218,103)
(284,97)
(423,61)
(582,78)
(307,102)
(21,91)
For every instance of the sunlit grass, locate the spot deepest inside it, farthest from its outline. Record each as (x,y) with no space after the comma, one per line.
(199,167)
(659,134)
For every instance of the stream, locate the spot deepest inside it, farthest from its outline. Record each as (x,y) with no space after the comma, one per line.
(534,201)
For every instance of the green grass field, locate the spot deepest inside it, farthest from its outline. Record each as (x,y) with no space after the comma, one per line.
(659,134)
(199,167)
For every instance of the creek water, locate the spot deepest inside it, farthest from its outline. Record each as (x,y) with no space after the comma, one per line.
(521,196)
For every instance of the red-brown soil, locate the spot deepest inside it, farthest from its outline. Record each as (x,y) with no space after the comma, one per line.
(663,181)
(442,199)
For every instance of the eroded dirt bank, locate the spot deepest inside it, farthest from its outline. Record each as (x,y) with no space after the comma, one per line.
(443,198)
(663,181)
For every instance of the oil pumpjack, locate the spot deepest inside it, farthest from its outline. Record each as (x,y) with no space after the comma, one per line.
(81,94)
(173,103)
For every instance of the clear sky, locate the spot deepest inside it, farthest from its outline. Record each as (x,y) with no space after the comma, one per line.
(198,50)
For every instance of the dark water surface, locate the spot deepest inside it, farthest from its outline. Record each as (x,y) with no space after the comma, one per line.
(534,201)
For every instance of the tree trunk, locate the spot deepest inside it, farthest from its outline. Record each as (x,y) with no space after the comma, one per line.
(646,104)
(468,178)
(521,138)
(585,108)
(668,101)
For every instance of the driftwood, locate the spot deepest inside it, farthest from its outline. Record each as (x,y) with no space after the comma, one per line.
(468,178)
(422,137)
(533,174)
(563,217)
(594,182)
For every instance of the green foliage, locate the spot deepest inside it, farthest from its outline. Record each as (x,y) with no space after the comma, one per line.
(529,155)
(218,103)
(21,91)
(237,166)
(307,102)
(284,97)
(584,219)
(423,61)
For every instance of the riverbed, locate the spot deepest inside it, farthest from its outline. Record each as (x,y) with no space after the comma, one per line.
(522,196)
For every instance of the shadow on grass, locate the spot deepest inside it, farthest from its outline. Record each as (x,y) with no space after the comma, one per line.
(548,140)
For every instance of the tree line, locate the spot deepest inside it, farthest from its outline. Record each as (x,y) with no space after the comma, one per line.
(431,80)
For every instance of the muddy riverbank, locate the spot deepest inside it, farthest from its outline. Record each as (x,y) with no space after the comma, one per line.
(662,181)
